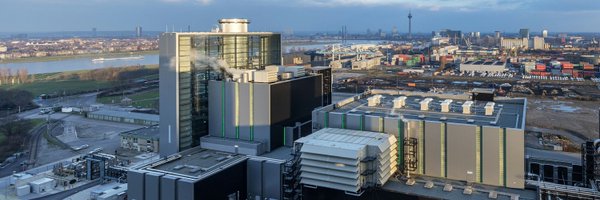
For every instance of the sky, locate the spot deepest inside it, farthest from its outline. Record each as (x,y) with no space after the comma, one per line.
(301,15)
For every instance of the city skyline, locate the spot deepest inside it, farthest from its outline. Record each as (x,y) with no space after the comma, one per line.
(301,15)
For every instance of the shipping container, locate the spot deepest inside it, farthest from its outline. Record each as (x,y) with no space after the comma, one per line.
(412,85)
(540,67)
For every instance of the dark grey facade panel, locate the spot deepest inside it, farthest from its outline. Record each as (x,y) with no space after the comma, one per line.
(135,190)
(244,116)
(515,158)
(169,95)
(354,121)
(335,120)
(491,155)
(372,123)
(185,189)
(152,186)
(214,111)
(262,114)
(255,178)
(461,151)
(168,187)
(390,125)
(273,182)
(433,149)
(230,115)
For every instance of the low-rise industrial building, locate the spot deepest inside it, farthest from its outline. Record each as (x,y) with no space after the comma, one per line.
(143,139)
(124,117)
(206,174)
(483,66)
(450,136)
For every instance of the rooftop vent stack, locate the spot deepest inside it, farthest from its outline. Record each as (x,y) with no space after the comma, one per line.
(287,75)
(446,105)
(374,100)
(234,25)
(399,102)
(425,103)
(489,108)
(467,107)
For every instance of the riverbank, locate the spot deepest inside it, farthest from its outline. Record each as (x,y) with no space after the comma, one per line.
(91,55)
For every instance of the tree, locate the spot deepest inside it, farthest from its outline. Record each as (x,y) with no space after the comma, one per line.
(23,75)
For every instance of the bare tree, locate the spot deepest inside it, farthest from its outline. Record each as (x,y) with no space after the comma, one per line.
(23,75)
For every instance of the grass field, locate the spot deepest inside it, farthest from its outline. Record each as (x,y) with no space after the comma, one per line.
(145,99)
(68,86)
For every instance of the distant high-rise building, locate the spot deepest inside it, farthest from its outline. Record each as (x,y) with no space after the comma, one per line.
(409,24)
(497,35)
(189,60)
(94,32)
(524,33)
(138,31)
(544,33)
(395,32)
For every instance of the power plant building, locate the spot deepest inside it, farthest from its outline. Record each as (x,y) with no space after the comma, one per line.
(449,136)
(188,60)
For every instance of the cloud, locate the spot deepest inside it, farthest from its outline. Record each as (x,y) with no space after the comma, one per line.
(433,5)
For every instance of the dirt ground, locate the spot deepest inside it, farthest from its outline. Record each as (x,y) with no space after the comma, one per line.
(576,120)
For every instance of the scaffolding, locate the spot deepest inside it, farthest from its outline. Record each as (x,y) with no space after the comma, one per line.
(292,189)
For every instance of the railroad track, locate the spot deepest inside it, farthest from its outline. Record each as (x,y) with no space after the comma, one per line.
(37,133)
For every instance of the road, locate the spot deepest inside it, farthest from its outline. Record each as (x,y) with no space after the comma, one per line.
(574,158)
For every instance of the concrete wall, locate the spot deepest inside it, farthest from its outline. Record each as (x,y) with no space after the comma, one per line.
(168,187)
(252,126)
(515,159)
(461,152)
(492,142)
(434,142)
(169,120)
(152,186)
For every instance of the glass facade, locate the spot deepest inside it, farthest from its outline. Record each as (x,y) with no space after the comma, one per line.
(239,51)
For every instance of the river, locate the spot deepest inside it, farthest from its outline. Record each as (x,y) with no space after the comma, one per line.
(73,64)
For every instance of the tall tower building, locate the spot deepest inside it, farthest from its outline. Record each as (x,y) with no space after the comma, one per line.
(524,33)
(189,60)
(138,31)
(544,33)
(409,25)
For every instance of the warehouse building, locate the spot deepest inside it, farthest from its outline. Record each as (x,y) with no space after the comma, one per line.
(142,139)
(447,136)
(124,117)
(483,66)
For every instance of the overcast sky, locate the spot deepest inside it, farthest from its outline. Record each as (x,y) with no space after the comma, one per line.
(302,15)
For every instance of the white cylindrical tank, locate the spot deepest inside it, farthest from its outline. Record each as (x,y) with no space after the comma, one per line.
(234,25)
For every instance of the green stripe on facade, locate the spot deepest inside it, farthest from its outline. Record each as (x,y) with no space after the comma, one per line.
(504,156)
(283,136)
(251,101)
(400,143)
(421,147)
(362,119)
(344,121)
(326,119)
(442,150)
(480,154)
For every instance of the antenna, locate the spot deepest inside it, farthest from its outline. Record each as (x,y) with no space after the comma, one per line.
(166,28)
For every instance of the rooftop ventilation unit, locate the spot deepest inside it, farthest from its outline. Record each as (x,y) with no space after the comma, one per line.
(446,105)
(268,75)
(489,108)
(399,102)
(234,25)
(467,107)
(425,103)
(374,100)
(298,71)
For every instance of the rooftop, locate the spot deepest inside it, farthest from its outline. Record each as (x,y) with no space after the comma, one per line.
(507,112)
(195,163)
(126,114)
(150,132)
